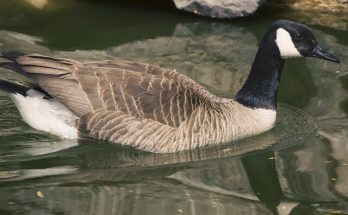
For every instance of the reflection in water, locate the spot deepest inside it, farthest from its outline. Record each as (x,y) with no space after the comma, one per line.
(294,171)
(312,184)
(256,183)
(332,118)
(197,50)
(39,4)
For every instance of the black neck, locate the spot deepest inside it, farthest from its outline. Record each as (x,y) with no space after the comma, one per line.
(261,87)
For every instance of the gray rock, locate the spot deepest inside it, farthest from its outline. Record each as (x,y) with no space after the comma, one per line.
(219,8)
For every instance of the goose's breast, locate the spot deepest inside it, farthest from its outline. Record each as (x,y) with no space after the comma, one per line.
(211,127)
(244,121)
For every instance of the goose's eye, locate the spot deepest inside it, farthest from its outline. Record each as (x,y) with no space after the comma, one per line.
(298,37)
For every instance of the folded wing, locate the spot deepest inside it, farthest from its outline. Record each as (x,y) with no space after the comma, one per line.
(139,90)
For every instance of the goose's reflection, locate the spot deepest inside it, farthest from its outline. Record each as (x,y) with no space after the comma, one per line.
(295,180)
(300,179)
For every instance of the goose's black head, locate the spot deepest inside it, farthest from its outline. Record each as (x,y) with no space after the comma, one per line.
(284,39)
(297,40)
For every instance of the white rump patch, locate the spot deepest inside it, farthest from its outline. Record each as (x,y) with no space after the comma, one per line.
(286,46)
(46,115)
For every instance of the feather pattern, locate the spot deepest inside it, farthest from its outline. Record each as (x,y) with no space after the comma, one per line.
(142,105)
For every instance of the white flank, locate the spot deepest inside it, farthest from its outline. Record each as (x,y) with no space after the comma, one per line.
(286,46)
(46,115)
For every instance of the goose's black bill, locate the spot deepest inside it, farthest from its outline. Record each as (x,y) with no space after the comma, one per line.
(319,52)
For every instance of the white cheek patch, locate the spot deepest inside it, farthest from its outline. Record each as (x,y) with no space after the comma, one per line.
(286,46)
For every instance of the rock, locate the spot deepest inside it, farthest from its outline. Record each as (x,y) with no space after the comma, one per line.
(328,13)
(313,5)
(219,8)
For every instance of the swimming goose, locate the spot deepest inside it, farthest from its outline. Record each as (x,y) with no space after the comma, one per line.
(149,107)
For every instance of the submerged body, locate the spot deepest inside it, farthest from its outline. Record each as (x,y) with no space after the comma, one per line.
(149,107)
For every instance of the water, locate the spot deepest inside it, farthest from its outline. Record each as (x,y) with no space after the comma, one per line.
(300,165)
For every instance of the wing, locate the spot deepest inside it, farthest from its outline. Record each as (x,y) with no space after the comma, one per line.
(138,90)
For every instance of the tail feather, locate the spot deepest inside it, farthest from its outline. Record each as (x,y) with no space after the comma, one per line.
(21,88)
(12,64)
(12,55)
(31,64)
(14,67)
(53,76)
(11,87)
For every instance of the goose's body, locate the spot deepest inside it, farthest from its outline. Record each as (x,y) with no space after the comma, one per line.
(145,106)
(141,105)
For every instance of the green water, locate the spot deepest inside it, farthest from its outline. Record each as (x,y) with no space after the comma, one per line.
(302,164)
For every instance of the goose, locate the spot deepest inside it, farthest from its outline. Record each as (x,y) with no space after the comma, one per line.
(149,107)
